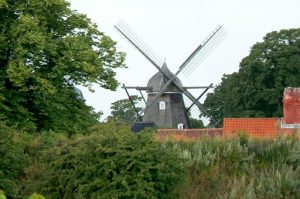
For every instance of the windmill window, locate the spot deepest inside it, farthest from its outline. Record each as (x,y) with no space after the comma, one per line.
(162,105)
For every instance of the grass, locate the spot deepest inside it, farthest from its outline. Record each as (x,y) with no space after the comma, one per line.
(241,167)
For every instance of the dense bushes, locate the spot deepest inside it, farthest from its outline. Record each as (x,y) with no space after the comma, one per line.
(112,162)
(13,160)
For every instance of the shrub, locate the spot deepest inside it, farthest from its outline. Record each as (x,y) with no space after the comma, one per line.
(112,162)
(12,162)
(36,196)
(2,195)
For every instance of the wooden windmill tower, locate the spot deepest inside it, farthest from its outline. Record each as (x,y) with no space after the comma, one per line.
(168,110)
(165,105)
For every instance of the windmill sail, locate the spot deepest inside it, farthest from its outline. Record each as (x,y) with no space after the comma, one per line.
(170,97)
(195,59)
(135,40)
(203,50)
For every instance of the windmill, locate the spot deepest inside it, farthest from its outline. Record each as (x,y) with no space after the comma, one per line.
(165,105)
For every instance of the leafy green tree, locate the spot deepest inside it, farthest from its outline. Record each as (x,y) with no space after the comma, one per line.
(46,49)
(195,123)
(256,90)
(123,110)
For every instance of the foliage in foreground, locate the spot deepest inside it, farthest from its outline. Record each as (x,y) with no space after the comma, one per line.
(13,160)
(112,162)
(241,168)
(33,196)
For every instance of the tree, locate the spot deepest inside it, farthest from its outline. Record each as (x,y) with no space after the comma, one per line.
(195,123)
(124,111)
(256,90)
(46,49)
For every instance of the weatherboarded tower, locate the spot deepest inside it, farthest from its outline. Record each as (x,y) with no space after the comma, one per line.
(168,111)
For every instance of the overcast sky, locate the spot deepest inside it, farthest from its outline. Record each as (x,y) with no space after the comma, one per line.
(174,28)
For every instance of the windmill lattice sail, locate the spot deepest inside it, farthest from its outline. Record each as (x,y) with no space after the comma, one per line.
(165,104)
(206,47)
(137,42)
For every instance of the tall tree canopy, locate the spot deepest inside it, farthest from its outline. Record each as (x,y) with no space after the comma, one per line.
(256,90)
(46,49)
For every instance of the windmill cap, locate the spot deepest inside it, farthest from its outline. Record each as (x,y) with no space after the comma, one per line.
(158,81)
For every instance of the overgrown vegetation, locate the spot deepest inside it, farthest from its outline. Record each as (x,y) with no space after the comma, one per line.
(241,168)
(110,161)
(13,160)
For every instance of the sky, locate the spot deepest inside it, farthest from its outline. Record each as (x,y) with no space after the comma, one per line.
(174,28)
